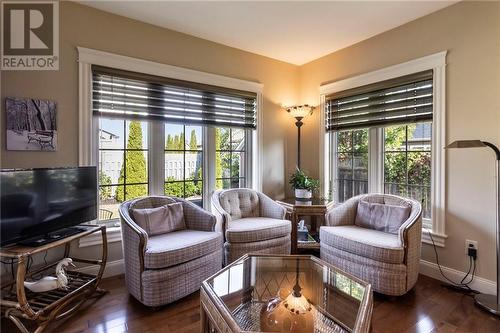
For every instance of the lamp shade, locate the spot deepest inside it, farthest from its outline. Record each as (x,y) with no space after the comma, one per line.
(300,111)
(466,144)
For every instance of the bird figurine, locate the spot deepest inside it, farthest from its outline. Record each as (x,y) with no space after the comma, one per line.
(50,282)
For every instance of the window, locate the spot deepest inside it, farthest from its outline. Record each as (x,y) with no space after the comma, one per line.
(397,107)
(351,176)
(123,164)
(182,116)
(407,163)
(230,158)
(400,113)
(183,149)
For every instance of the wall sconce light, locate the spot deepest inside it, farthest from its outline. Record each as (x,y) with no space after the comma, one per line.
(299,112)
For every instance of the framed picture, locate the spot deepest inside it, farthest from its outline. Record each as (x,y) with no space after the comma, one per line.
(31,124)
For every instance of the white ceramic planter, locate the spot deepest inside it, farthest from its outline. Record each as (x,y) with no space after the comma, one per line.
(303,193)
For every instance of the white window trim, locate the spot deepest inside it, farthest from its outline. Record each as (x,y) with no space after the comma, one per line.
(87,124)
(436,62)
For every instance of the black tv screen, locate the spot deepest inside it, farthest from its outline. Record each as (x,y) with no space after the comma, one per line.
(35,202)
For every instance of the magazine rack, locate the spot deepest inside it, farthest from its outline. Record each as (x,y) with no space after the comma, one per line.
(21,305)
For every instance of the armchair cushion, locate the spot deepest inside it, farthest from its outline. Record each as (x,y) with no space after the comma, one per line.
(177,247)
(160,220)
(369,243)
(255,229)
(381,217)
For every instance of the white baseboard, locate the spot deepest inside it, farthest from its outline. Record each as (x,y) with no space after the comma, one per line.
(113,268)
(431,269)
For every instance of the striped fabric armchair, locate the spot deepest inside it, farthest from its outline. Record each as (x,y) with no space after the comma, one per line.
(250,222)
(388,260)
(166,267)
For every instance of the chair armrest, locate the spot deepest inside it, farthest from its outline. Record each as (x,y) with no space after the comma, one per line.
(344,214)
(413,222)
(134,244)
(128,226)
(270,208)
(197,218)
(410,235)
(222,217)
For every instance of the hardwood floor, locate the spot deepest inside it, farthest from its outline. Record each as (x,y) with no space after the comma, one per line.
(428,308)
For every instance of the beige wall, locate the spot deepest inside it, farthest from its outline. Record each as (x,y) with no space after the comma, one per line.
(469,31)
(91,28)
(471,34)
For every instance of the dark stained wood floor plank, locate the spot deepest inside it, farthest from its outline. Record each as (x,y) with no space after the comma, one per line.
(428,308)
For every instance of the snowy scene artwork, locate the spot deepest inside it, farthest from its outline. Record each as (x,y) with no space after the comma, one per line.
(31,124)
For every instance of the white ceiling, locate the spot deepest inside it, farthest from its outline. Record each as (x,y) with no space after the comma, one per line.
(296,32)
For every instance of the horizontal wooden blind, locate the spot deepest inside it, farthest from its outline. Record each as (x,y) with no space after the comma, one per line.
(124,94)
(406,99)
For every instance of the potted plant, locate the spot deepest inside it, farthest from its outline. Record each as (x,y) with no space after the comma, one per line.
(303,184)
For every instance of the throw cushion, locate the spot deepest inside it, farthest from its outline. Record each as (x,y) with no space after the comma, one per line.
(160,220)
(381,217)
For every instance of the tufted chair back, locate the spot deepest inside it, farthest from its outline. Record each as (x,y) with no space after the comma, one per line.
(240,203)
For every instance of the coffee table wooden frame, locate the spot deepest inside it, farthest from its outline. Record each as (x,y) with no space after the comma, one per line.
(216,317)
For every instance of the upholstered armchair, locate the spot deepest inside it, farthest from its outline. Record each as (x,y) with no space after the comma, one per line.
(379,241)
(250,222)
(165,267)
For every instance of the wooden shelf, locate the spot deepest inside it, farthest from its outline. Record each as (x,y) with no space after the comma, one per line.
(308,246)
(18,251)
(18,303)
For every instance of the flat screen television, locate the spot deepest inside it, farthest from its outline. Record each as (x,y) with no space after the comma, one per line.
(38,202)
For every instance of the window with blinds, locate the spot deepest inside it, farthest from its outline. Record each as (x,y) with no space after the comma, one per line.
(124,94)
(407,99)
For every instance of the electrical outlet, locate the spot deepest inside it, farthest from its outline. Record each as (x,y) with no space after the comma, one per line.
(470,244)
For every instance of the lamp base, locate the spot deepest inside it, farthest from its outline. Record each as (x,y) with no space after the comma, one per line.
(488,303)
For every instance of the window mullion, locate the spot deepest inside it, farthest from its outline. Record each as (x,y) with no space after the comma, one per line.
(209,165)
(375,160)
(156,156)
(248,160)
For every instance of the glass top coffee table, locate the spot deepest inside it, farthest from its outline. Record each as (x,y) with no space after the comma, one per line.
(296,294)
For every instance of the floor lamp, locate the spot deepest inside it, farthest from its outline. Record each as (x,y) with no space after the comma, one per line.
(490,303)
(299,112)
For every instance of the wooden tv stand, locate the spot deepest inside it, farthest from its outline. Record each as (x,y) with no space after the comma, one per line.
(18,303)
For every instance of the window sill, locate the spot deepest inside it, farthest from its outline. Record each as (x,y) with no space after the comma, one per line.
(439,239)
(113,235)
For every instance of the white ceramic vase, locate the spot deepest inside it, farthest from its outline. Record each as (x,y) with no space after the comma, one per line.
(301,193)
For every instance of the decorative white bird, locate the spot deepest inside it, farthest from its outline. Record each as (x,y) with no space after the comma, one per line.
(50,282)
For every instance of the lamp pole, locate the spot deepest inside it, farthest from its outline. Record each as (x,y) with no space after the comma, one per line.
(299,124)
(299,112)
(488,302)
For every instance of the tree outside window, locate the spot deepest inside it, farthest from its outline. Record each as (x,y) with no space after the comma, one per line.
(407,163)
(352,161)
(123,164)
(184,162)
(230,154)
